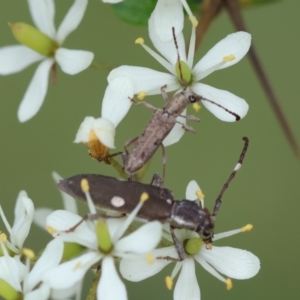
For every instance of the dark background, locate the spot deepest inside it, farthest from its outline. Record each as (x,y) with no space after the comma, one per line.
(265,192)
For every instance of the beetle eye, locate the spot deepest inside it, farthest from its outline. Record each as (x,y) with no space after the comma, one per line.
(192,98)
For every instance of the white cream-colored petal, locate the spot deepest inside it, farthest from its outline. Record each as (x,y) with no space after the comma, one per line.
(110,286)
(24,211)
(141,240)
(50,258)
(40,216)
(36,92)
(168,49)
(112,1)
(191,189)
(116,102)
(59,224)
(232,262)
(71,20)
(105,132)
(167,14)
(42,13)
(41,293)
(187,286)
(69,273)
(236,44)
(83,133)
(137,268)
(177,132)
(73,61)
(145,79)
(68,201)
(16,58)
(233,107)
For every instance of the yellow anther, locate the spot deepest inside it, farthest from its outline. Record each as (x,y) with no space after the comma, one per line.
(248,227)
(200,195)
(51,230)
(139,41)
(150,258)
(228,58)
(3,237)
(228,284)
(84,185)
(28,253)
(196,107)
(77,266)
(144,197)
(141,95)
(193,21)
(169,282)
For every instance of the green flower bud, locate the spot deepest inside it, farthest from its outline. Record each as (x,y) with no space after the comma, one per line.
(103,237)
(193,246)
(33,38)
(8,292)
(183,73)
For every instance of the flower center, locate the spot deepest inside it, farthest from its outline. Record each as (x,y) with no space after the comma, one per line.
(103,236)
(97,149)
(34,39)
(193,246)
(183,73)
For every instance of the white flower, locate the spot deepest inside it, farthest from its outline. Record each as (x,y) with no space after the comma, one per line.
(16,58)
(144,81)
(110,285)
(27,282)
(41,214)
(24,211)
(232,262)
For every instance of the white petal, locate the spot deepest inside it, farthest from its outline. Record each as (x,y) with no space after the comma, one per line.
(116,102)
(60,221)
(232,262)
(112,1)
(236,106)
(42,13)
(41,293)
(141,240)
(83,133)
(24,211)
(40,216)
(69,293)
(50,258)
(16,58)
(68,201)
(110,286)
(191,189)
(71,272)
(71,20)
(36,92)
(145,79)
(187,286)
(137,268)
(236,44)
(177,132)
(73,61)
(105,132)
(167,14)
(168,49)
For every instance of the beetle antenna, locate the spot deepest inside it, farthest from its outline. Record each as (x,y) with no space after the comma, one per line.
(236,168)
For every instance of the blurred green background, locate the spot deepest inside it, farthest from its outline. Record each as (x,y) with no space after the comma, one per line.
(264,193)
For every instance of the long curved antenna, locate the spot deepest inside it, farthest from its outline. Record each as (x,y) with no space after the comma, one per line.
(236,168)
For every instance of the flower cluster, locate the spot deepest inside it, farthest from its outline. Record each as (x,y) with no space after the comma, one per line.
(103,241)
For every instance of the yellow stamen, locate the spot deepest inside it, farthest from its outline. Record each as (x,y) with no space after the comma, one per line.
(149,258)
(84,185)
(169,282)
(193,21)
(246,228)
(228,284)
(228,58)
(3,237)
(51,230)
(200,195)
(141,95)
(196,107)
(77,266)
(144,197)
(28,253)
(139,41)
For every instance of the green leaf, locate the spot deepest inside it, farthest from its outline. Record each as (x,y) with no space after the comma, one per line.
(135,12)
